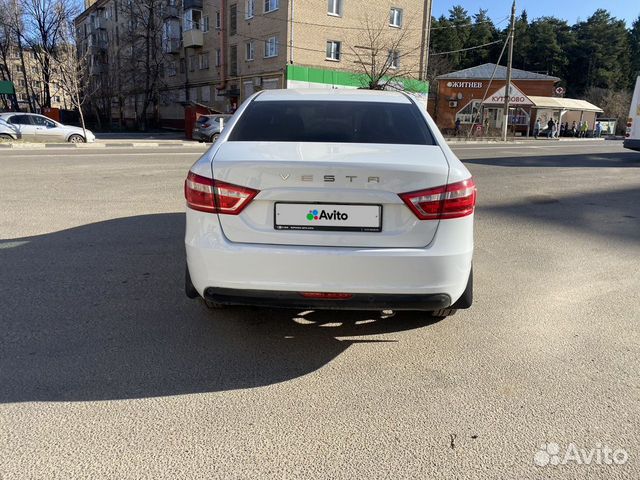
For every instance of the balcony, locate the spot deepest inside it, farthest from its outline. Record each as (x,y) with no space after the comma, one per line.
(192,4)
(98,23)
(171,45)
(171,11)
(192,38)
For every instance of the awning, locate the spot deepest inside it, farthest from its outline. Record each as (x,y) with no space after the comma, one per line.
(557,103)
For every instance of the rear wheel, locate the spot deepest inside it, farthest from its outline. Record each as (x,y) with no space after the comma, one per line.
(214,137)
(76,139)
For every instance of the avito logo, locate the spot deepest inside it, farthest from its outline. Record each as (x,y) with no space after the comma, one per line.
(324,215)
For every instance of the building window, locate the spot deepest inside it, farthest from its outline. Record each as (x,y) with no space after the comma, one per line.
(193,61)
(333,50)
(192,19)
(233,19)
(183,66)
(271,47)
(205,24)
(270,5)
(249,50)
(335,7)
(218,57)
(233,60)
(171,69)
(250,8)
(203,61)
(395,17)
(394,59)
(218,20)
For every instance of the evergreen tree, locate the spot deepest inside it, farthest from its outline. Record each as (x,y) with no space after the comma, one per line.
(601,54)
(460,34)
(634,50)
(522,42)
(551,40)
(483,31)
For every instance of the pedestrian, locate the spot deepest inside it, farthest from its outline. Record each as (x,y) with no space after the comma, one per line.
(574,129)
(536,129)
(562,129)
(458,123)
(584,129)
(550,127)
(566,128)
(598,129)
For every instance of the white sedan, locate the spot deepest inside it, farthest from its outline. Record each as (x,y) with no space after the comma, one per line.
(333,199)
(32,127)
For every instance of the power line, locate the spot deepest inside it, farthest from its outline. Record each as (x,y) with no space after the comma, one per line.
(468,48)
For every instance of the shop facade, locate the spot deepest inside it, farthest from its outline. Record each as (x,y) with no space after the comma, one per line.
(475,97)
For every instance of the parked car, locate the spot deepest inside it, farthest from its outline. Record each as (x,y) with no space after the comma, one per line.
(38,128)
(208,127)
(338,199)
(7,132)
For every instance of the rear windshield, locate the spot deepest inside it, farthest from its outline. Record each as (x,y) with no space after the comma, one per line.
(333,121)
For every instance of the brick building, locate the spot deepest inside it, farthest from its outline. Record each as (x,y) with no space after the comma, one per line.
(472,97)
(216,53)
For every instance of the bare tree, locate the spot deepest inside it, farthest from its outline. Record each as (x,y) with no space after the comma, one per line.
(44,22)
(142,59)
(70,66)
(615,103)
(384,56)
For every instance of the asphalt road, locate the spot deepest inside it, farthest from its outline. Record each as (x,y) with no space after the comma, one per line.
(108,371)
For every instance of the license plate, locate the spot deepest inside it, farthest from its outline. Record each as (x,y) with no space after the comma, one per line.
(328,216)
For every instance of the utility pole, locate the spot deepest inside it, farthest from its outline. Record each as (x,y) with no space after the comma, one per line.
(507,87)
(426,37)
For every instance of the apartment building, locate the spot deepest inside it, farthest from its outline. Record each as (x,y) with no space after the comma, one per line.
(216,53)
(32,84)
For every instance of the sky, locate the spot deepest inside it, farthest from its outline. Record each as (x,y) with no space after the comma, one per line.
(570,10)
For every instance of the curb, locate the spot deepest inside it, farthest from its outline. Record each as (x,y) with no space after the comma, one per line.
(65,146)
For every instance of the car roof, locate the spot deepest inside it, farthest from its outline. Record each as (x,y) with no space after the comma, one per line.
(332,95)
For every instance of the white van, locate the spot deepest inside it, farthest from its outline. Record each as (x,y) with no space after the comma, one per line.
(632,136)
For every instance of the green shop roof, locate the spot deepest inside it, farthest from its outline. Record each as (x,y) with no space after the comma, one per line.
(346,79)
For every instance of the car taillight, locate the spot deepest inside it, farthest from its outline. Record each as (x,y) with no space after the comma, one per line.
(447,201)
(206,125)
(213,196)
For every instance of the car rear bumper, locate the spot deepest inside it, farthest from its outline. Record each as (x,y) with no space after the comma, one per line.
(441,269)
(358,301)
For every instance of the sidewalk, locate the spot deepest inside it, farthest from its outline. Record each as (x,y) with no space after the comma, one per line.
(519,140)
(109,143)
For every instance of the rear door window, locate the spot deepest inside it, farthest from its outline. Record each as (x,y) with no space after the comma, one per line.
(20,120)
(332,121)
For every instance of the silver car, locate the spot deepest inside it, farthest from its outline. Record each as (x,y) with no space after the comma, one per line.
(208,127)
(32,127)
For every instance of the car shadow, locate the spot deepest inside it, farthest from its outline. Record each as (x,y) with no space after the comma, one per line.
(98,312)
(627,159)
